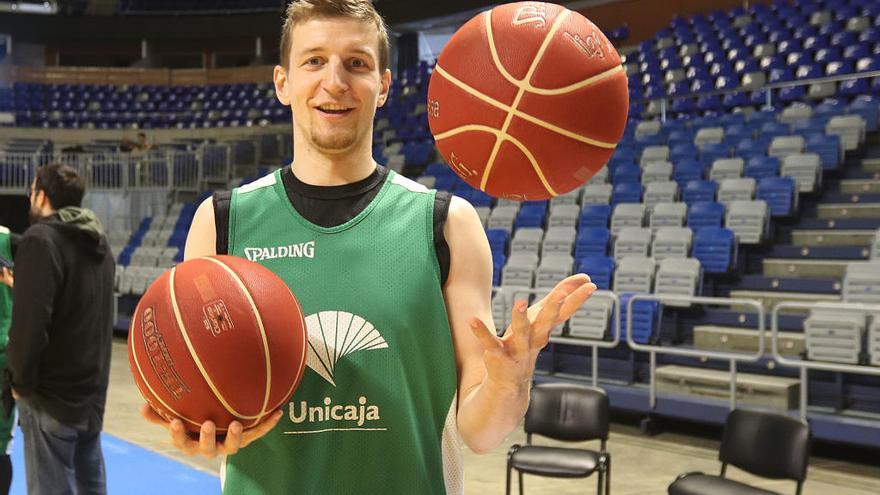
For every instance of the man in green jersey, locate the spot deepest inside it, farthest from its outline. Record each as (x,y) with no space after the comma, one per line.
(7,421)
(403,358)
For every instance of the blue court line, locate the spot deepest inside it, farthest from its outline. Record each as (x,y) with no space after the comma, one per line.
(131,470)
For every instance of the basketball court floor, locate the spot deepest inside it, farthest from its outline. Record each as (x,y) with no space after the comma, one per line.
(141,460)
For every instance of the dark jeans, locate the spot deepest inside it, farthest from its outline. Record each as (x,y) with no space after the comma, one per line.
(58,459)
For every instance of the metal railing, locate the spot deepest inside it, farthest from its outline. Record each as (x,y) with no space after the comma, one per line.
(162,169)
(664,101)
(731,357)
(804,365)
(594,344)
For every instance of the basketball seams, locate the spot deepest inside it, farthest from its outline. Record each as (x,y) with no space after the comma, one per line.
(194,355)
(302,358)
(263,336)
(133,351)
(523,87)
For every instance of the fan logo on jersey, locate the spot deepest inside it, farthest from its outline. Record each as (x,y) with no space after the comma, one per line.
(300,250)
(333,337)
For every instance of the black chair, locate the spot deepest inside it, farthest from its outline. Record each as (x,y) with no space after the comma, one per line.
(762,443)
(567,412)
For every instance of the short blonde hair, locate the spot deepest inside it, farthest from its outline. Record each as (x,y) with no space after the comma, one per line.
(362,10)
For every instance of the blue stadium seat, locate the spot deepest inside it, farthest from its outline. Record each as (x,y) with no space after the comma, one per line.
(627,173)
(780,194)
(531,214)
(499,240)
(686,170)
(592,241)
(599,268)
(759,167)
(627,192)
(828,147)
(704,214)
(715,247)
(713,151)
(595,216)
(645,318)
(699,190)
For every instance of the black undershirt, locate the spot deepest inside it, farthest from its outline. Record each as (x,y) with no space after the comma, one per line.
(329,206)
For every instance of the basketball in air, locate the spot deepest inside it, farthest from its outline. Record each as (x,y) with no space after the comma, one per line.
(218,338)
(527,101)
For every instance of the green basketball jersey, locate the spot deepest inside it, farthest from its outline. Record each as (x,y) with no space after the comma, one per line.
(376,409)
(5,291)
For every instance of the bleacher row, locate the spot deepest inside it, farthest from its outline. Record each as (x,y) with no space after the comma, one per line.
(154,247)
(744,49)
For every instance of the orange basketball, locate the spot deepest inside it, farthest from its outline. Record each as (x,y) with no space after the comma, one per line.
(217,338)
(527,101)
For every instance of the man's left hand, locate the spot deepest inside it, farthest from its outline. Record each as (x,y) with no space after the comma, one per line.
(510,360)
(6,277)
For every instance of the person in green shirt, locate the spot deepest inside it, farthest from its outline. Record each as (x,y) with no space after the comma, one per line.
(403,362)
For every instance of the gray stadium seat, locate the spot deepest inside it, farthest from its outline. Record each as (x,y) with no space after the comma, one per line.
(427,181)
(558,240)
(820,17)
(569,198)
(730,190)
(564,215)
(483,212)
(850,128)
(678,276)
(804,168)
(647,128)
(754,80)
(634,275)
(861,284)
(709,135)
(834,336)
(658,153)
(764,50)
(632,241)
(519,270)
(502,217)
(874,340)
(597,194)
(553,268)
(795,112)
(660,192)
(668,215)
(592,320)
(627,215)
(875,246)
(748,220)
(671,242)
(858,24)
(782,146)
(727,168)
(526,240)
(656,172)
(601,176)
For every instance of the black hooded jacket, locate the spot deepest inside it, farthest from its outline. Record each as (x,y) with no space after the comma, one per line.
(62,318)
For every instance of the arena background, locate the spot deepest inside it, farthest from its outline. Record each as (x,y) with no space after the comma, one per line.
(749,173)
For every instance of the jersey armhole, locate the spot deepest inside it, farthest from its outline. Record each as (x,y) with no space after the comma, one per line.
(222,200)
(441,210)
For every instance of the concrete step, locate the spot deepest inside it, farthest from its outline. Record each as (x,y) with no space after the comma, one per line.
(723,338)
(871,164)
(859,186)
(810,238)
(769,299)
(818,252)
(839,211)
(782,267)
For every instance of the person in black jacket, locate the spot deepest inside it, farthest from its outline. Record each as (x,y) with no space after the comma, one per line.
(60,339)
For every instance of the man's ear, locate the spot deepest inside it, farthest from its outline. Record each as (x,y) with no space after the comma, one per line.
(279,76)
(386,87)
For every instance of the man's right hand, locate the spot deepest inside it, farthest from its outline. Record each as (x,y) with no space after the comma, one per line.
(207,445)
(6,277)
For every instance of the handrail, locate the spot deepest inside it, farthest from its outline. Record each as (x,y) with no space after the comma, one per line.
(732,357)
(805,365)
(592,343)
